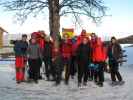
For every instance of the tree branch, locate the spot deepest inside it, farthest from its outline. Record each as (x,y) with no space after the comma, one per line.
(93,9)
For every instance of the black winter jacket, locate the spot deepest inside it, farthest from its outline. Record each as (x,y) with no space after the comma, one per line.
(83,53)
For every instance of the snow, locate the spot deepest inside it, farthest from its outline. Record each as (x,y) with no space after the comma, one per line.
(6,62)
(9,90)
(45,90)
(6,50)
(129,52)
(126,45)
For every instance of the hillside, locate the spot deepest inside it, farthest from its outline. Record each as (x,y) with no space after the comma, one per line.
(126,40)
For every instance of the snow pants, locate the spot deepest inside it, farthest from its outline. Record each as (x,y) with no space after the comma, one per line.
(57,69)
(114,70)
(99,73)
(67,66)
(34,68)
(73,68)
(82,71)
(49,70)
(20,63)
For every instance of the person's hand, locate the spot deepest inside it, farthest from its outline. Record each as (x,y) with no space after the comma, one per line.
(53,59)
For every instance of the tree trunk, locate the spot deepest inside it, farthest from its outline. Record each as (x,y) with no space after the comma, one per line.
(54,19)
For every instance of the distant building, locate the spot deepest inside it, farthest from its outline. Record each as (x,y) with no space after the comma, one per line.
(8,37)
(1,36)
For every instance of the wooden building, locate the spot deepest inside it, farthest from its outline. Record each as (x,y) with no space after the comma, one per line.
(1,36)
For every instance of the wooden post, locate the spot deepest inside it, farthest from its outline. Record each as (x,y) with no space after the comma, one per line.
(1,38)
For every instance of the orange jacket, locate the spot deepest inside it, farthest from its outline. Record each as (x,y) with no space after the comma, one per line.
(98,51)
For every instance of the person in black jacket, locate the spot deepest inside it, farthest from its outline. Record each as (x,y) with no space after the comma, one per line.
(115,55)
(83,59)
(47,58)
(57,63)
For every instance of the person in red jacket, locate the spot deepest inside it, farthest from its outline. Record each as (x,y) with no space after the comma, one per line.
(73,68)
(81,36)
(98,57)
(40,35)
(66,50)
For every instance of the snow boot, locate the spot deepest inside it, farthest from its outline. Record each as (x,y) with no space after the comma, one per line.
(121,82)
(100,84)
(114,83)
(85,83)
(79,85)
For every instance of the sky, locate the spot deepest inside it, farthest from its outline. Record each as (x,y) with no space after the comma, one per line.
(119,23)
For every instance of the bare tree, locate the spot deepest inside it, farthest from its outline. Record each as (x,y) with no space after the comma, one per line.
(93,9)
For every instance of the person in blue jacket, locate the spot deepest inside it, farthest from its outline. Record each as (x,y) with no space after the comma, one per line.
(20,49)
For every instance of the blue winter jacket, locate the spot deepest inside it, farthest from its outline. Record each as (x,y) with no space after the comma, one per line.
(20,48)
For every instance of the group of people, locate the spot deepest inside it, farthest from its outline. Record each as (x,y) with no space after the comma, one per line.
(83,55)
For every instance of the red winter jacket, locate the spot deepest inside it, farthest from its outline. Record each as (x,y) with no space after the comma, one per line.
(80,39)
(98,51)
(66,48)
(41,43)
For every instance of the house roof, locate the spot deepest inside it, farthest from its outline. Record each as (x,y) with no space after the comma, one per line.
(3,30)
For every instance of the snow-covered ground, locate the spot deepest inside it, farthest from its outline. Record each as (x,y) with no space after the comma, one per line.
(129,52)
(9,90)
(6,50)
